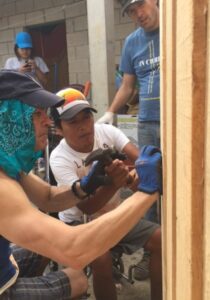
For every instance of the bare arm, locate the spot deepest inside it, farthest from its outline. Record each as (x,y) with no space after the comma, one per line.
(47,198)
(74,246)
(124,93)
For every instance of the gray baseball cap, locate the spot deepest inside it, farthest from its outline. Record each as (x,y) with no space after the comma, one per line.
(126,3)
(15,85)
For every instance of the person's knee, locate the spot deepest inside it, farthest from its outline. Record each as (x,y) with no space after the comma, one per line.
(78,282)
(154,243)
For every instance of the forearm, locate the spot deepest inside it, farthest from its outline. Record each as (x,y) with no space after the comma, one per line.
(105,231)
(74,246)
(60,198)
(78,246)
(95,202)
(45,197)
(121,98)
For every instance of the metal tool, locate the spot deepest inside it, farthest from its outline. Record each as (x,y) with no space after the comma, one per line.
(105,158)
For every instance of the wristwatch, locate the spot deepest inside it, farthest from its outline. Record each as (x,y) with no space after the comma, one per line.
(78,192)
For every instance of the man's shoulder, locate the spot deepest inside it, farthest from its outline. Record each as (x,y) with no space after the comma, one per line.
(57,146)
(108,133)
(103,128)
(58,150)
(99,126)
(136,34)
(62,153)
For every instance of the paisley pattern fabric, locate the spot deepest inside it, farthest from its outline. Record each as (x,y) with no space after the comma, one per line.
(17,138)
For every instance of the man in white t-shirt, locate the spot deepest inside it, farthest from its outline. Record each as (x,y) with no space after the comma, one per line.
(81,136)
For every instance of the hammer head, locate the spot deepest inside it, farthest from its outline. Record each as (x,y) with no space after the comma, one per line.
(104,156)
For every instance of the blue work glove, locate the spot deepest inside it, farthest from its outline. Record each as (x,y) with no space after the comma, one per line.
(95,178)
(149,169)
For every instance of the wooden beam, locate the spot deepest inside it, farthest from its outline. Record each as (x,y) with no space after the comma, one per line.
(183,96)
(206,274)
(191,63)
(168,133)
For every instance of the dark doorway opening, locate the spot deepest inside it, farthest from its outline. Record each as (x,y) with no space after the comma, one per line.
(49,42)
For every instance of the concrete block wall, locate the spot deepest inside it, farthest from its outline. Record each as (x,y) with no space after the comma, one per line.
(16,15)
(77,42)
(123,27)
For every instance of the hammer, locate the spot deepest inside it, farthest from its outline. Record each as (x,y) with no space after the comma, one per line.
(105,158)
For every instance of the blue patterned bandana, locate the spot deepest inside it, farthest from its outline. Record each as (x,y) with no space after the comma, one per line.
(17,138)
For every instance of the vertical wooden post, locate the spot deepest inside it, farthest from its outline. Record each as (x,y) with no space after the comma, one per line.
(168,122)
(206,274)
(184,131)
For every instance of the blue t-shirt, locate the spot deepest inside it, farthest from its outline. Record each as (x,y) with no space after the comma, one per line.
(141,57)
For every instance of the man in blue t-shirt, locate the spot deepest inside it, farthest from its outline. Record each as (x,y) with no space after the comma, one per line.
(141,61)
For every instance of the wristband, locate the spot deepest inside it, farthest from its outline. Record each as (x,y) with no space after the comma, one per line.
(78,193)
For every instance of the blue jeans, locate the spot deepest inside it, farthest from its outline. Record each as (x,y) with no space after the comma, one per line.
(149,134)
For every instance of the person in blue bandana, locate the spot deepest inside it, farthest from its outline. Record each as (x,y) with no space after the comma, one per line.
(27,233)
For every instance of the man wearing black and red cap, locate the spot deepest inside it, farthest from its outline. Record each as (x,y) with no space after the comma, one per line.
(24,127)
(140,62)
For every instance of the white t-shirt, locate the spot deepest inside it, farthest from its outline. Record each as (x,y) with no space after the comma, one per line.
(68,165)
(13,63)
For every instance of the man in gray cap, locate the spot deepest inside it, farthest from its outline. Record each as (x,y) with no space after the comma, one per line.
(140,61)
